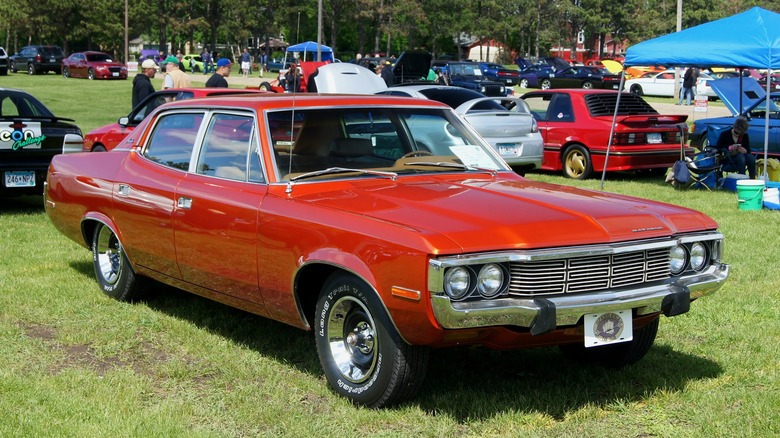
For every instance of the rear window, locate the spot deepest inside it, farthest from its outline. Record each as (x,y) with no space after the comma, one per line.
(51,51)
(603,104)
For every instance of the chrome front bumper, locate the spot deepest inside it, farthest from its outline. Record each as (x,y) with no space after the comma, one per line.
(543,314)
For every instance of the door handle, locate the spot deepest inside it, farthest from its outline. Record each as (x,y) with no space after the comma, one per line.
(185,203)
(123,189)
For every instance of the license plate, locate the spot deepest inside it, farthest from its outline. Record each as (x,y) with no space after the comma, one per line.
(614,86)
(654,137)
(508,81)
(20,178)
(608,328)
(52,59)
(115,74)
(507,148)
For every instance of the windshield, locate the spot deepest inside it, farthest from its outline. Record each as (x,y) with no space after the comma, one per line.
(397,140)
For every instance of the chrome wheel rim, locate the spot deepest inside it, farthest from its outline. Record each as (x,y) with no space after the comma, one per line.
(575,163)
(524,83)
(352,339)
(108,255)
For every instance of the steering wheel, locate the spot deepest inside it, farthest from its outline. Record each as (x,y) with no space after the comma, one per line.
(415,154)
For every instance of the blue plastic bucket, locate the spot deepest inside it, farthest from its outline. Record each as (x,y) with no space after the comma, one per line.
(750,194)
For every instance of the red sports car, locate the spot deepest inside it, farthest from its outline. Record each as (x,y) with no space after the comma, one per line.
(384,225)
(107,137)
(93,65)
(575,125)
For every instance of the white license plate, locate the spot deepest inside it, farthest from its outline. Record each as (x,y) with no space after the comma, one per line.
(20,178)
(608,328)
(614,86)
(53,60)
(115,74)
(654,137)
(508,81)
(507,148)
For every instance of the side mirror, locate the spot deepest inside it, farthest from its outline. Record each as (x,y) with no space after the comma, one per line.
(123,121)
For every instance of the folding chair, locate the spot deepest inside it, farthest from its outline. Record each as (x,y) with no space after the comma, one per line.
(704,169)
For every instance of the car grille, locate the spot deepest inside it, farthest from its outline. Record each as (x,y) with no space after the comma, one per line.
(115,69)
(585,274)
(493,90)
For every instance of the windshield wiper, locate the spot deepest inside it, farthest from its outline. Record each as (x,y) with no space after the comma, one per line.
(330,170)
(452,165)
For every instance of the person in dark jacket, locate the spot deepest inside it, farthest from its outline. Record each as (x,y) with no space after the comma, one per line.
(387,74)
(217,80)
(689,82)
(734,145)
(142,84)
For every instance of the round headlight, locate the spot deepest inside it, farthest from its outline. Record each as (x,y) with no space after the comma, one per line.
(457,282)
(677,259)
(490,280)
(698,256)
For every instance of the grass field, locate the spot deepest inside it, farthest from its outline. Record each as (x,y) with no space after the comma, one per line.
(75,363)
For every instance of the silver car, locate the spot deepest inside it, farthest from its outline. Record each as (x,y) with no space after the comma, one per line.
(506,123)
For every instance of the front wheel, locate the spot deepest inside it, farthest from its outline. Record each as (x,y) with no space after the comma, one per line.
(195,68)
(546,84)
(91,74)
(114,274)
(577,163)
(265,86)
(616,355)
(363,357)
(588,85)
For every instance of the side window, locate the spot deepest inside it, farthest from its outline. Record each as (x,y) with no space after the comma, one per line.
(539,106)
(562,110)
(173,140)
(226,147)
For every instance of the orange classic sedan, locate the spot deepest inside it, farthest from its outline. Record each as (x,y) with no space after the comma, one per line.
(385,226)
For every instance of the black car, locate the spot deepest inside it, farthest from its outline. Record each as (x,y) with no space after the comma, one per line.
(582,77)
(37,59)
(469,75)
(3,62)
(30,135)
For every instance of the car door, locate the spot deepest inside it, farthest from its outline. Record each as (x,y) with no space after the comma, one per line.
(554,115)
(145,190)
(79,69)
(661,85)
(565,78)
(216,209)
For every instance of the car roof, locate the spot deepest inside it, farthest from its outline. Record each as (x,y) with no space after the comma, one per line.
(286,101)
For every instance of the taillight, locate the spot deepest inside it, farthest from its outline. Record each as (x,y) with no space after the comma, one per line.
(38,58)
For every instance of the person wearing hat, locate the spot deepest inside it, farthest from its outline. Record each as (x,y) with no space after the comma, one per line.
(217,80)
(387,74)
(142,84)
(174,77)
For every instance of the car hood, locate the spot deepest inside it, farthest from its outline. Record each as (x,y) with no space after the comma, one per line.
(412,66)
(345,77)
(103,130)
(728,91)
(517,213)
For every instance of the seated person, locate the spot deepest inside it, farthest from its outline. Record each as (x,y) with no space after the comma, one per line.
(734,146)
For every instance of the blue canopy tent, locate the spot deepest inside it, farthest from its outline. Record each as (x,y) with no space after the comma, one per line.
(308,51)
(750,39)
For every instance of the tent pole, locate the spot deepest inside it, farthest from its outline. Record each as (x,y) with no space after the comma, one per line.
(612,126)
(766,123)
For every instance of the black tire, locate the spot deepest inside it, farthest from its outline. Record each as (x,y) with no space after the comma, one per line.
(114,274)
(31,69)
(546,84)
(91,74)
(576,162)
(616,355)
(523,83)
(588,85)
(637,89)
(195,68)
(13,67)
(66,72)
(363,357)
(99,148)
(265,86)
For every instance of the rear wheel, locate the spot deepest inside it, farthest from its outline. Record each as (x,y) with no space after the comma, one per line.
(637,89)
(616,355)
(31,69)
(265,86)
(577,163)
(523,83)
(588,85)
(546,84)
(66,72)
(362,355)
(114,274)
(195,68)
